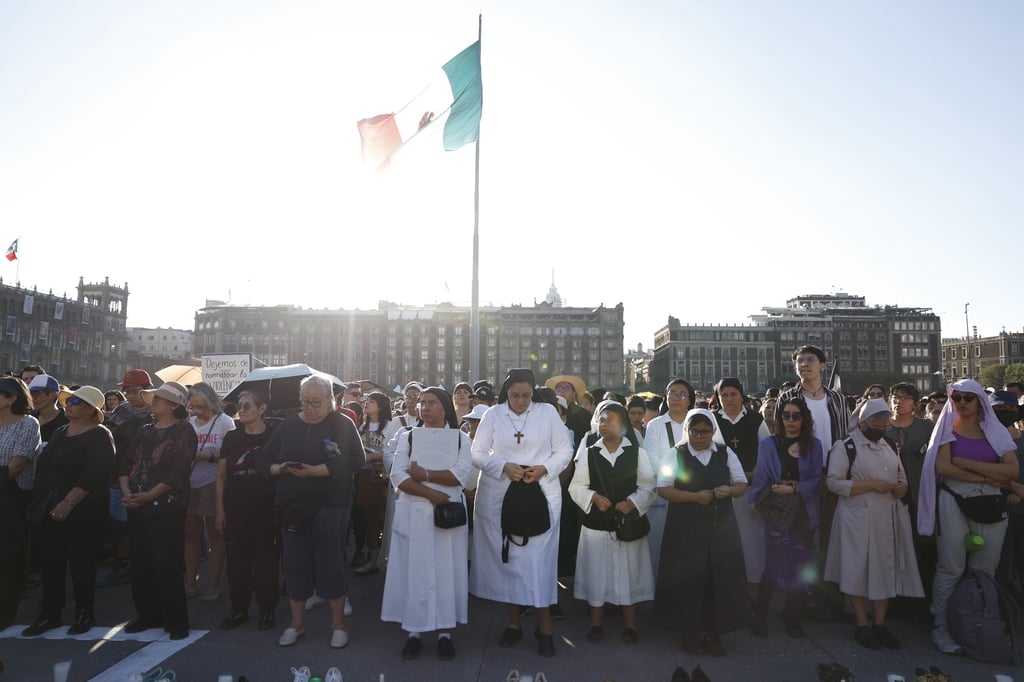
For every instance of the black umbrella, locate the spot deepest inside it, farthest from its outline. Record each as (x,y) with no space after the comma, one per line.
(279,385)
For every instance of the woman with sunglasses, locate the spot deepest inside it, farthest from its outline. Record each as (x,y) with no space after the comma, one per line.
(970,455)
(71,477)
(245,515)
(19,439)
(701,584)
(788,463)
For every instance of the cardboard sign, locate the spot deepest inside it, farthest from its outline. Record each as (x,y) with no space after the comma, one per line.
(224,371)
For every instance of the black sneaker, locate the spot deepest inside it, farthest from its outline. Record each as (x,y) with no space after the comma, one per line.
(42,624)
(413,647)
(865,636)
(445,648)
(84,620)
(234,619)
(885,637)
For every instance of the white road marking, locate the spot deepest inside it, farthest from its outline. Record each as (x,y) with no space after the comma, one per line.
(159,647)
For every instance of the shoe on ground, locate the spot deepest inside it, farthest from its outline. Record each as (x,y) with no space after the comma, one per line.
(315,601)
(545,644)
(944,642)
(175,635)
(629,636)
(680,675)
(595,634)
(290,635)
(445,648)
(885,637)
(332,675)
(41,625)
(139,625)
(713,645)
(339,639)
(301,674)
(865,636)
(84,620)
(412,648)
(234,619)
(211,595)
(191,591)
(266,621)
(510,636)
(348,607)
(699,675)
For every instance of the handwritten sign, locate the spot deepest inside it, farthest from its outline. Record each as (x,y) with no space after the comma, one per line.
(224,371)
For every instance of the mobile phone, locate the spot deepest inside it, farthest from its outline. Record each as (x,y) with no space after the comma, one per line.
(293,465)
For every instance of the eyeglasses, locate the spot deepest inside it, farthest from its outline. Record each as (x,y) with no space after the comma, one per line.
(964,397)
(246,406)
(700,433)
(792,417)
(678,395)
(563,388)
(901,398)
(315,404)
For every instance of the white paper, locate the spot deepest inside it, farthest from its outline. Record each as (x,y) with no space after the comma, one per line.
(435,448)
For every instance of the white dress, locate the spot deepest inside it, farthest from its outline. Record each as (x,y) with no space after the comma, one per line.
(426,586)
(531,575)
(659,450)
(608,570)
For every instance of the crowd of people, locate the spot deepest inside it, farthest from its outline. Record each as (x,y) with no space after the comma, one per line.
(851,507)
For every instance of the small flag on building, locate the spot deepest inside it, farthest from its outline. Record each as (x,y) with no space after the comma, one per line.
(454,101)
(12,250)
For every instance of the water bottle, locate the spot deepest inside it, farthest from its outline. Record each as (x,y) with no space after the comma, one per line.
(332,450)
(973,542)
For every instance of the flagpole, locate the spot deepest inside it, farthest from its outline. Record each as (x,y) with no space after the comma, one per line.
(474,315)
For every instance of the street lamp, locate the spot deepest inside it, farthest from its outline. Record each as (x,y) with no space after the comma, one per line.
(970,373)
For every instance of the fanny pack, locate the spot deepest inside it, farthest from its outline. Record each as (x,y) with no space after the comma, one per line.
(980,508)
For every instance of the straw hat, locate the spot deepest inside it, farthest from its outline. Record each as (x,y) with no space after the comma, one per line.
(171,391)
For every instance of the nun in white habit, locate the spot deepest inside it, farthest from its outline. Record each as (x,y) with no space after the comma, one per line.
(518,439)
(612,472)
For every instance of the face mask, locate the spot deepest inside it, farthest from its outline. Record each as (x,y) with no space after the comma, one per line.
(874,435)
(1006,417)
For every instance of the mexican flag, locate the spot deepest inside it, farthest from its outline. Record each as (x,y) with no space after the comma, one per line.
(451,106)
(12,250)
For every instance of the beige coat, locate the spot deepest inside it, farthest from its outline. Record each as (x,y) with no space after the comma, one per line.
(871,551)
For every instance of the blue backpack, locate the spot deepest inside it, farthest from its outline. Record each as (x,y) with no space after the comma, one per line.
(981,617)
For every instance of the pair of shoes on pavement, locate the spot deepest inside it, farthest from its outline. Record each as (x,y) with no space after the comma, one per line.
(514,676)
(302,675)
(876,637)
(698,675)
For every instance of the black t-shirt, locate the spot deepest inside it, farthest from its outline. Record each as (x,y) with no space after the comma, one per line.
(245,483)
(82,461)
(47,430)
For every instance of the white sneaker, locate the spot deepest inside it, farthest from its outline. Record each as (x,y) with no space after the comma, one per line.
(333,675)
(339,639)
(348,608)
(302,674)
(289,636)
(944,642)
(315,601)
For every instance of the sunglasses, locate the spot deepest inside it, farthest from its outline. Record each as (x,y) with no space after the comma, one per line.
(792,416)
(75,400)
(964,397)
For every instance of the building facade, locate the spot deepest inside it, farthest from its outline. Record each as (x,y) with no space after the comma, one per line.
(966,358)
(395,344)
(855,337)
(80,340)
(171,344)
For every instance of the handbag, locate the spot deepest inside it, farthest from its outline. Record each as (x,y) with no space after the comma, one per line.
(450,515)
(980,508)
(778,510)
(627,527)
(524,513)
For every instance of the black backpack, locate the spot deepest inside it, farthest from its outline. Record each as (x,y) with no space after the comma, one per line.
(524,513)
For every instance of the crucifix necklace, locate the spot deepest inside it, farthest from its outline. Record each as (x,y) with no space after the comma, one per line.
(519,429)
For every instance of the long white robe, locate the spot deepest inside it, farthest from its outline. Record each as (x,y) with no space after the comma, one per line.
(608,570)
(531,575)
(426,587)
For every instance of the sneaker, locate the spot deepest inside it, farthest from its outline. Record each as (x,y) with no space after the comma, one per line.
(315,601)
(290,635)
(339,639)
(885,636)
(333,675)
(302,674)
(944,642)
(211,595)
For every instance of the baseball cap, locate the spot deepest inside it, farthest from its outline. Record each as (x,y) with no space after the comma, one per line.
(136,377)
(43,382)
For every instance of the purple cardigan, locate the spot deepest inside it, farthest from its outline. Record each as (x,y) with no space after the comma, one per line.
(768,470)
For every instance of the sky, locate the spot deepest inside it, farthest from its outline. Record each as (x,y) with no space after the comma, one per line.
(694,159)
